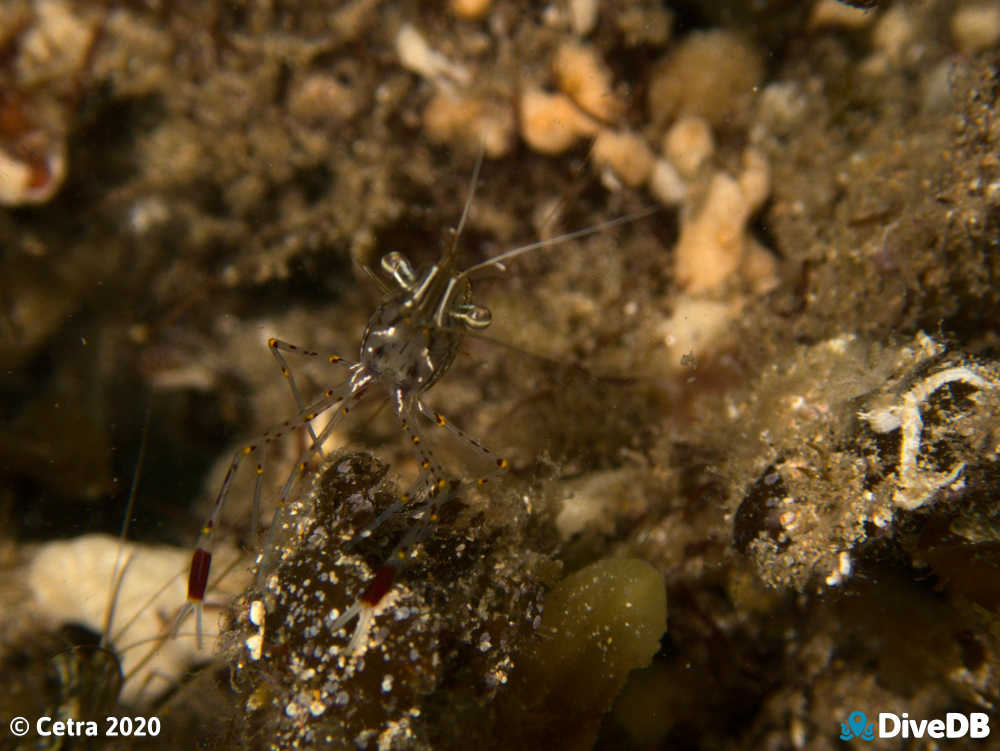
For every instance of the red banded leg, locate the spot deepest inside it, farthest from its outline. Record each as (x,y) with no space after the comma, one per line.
(352,391)
(382,581)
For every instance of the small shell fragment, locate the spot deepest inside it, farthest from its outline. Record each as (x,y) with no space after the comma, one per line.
(255,644)
(257,613)
(583,16)
(31,181)
(416,54)
(666,184)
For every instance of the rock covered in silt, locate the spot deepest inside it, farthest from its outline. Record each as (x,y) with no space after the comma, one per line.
(866,455)
(438,646)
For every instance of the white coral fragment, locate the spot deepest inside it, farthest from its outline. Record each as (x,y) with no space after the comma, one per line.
(843,570)
(72,582)
(714,242)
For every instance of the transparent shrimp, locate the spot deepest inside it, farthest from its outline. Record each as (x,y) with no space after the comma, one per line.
(410,342)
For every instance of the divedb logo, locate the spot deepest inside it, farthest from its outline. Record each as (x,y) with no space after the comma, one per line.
(954,725)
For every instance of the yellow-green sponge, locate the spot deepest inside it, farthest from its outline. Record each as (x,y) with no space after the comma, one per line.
(598,624)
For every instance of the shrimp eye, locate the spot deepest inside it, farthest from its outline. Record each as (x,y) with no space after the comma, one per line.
(396,266)
(472,315)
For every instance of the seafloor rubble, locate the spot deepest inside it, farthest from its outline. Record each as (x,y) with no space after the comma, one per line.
(477,642)
(779,392)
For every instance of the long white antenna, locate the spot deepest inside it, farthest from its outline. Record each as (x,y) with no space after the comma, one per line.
(558,240)
(468,202)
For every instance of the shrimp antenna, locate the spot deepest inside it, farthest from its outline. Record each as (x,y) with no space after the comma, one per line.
(498,260)
(119,570)
(468,203)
